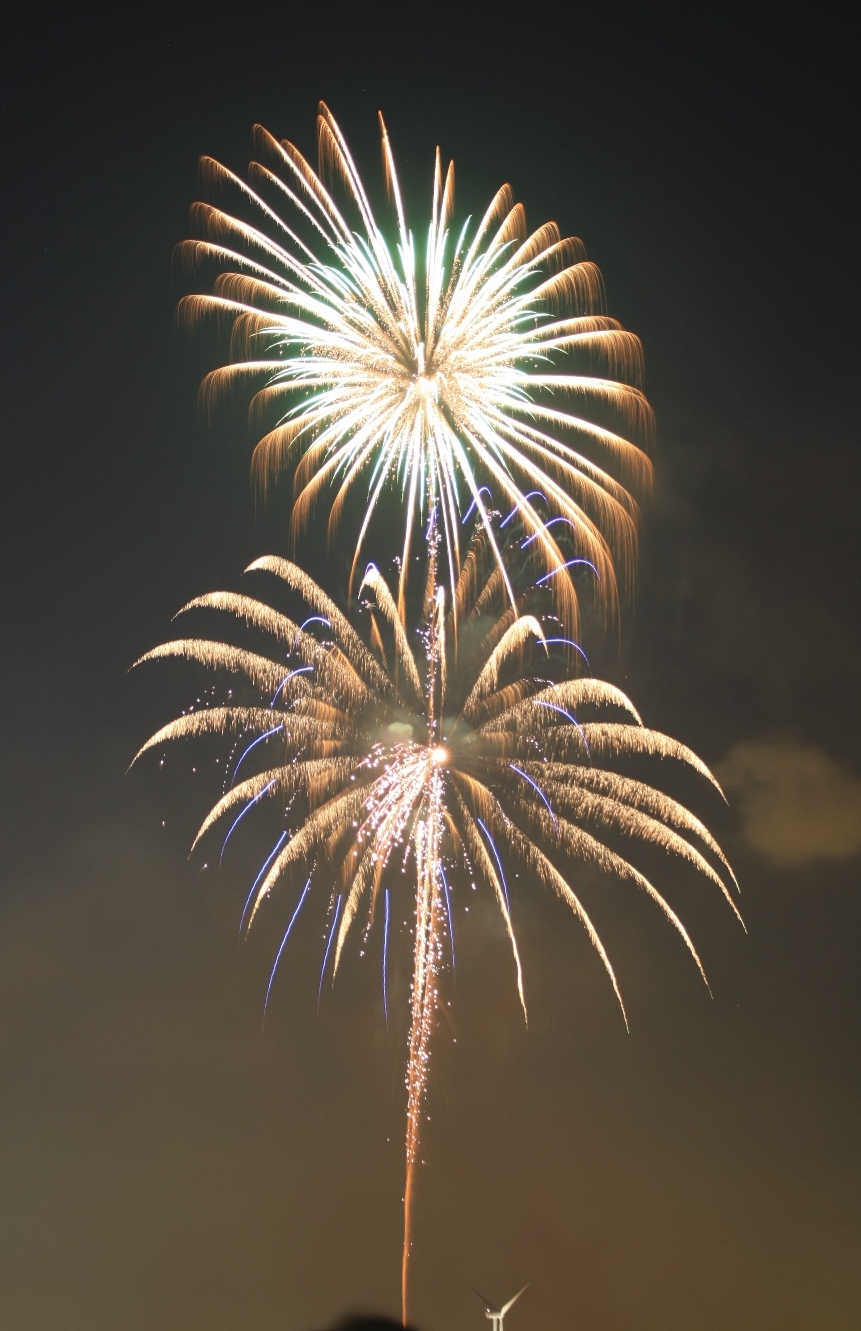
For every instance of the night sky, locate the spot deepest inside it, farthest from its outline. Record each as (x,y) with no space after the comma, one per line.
(164,1163)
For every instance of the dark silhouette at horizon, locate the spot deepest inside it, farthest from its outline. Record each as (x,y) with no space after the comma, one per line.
(369,1322)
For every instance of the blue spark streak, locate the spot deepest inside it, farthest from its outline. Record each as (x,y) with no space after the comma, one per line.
(278,844)
(531,495)
(431,521)
(535,786)
(554,707)
(301,670)
(315,619)
(535,535)
(385,952)
(568,564)
(240,816)
(448,911)
(569,642)
(481,489)
(492,845)
(258,740)
(283,941)
(328,946)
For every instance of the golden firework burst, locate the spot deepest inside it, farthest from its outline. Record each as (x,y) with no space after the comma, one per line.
(472,368)
(409,749)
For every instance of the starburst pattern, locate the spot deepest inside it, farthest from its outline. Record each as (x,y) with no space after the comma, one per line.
(408,751)
(472,368)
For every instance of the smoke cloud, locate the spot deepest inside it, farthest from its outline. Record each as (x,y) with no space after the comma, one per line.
(796,803)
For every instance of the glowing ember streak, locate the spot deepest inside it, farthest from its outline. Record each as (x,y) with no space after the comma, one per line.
(490,841)
(536,787)
(463,366)
(569,563)
(253,745)
(293,919)
(238,819)
(385,958)
(278,844)
(454,753)
(328,947)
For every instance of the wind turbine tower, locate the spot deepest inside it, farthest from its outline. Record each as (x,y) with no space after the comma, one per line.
(496,1316)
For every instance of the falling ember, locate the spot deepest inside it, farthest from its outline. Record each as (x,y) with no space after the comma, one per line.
(440,365)
(527,775)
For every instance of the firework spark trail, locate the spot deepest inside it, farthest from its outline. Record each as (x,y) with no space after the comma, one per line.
(385,958)
(329,941)
(266,863)
(287,933)
(253,745)
(238,819)
(459,753)
(427,957)
(467,369)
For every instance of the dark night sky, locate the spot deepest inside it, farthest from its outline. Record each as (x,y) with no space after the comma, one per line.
(164,1164)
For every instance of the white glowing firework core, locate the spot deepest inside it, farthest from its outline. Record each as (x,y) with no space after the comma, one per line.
(481,358)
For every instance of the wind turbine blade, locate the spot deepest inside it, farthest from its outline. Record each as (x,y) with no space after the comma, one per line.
(511,1302)
(490,1306)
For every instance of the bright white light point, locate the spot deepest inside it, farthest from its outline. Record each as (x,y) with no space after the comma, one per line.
(440,756)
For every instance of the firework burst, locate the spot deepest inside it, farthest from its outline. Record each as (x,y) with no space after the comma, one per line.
(468,368)
(407,751)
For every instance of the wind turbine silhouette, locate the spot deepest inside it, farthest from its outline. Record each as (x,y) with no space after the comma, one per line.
(494,1315)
